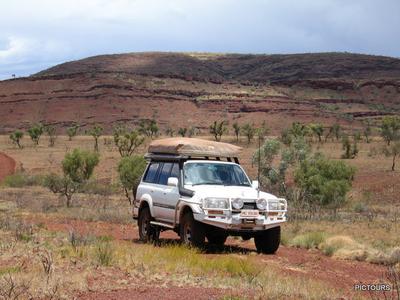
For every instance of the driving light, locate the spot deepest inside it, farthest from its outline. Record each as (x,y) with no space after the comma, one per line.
(237,203)
(262,204)
(222,203)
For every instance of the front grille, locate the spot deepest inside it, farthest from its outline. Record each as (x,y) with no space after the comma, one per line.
(249,206)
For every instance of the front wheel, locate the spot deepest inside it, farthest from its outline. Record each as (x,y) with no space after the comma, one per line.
(146,231)
(268,241)
(216,238)
(192,233)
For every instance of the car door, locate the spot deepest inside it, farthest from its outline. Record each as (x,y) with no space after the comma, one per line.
(166,197)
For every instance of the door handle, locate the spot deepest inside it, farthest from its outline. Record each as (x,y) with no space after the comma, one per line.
(151,191)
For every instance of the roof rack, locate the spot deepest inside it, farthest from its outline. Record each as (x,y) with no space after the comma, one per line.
(192,147)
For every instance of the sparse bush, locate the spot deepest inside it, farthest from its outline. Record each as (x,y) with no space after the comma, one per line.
(182,131)
(218,128)
(130,170)
(309,240)
(350,149)
(72,131)
(127,141)
(299,130)
(96,132)
(35,132)
(367,130)
(286,137)
(148,128)
(104,253)
(169,132)
(21,179)
(16,138)
(78,167)
(390,128)
(236,130)
(51,132)
(393,151)
(249,131)
(262,131)
(324,182)
(318,130)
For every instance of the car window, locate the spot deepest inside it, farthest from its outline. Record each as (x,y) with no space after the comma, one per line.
(151,174)
(175,171)
(164,173)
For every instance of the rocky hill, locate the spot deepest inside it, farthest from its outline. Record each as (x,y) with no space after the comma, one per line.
(193,89)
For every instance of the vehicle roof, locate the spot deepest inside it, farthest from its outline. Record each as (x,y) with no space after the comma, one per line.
(193,147)
(208,161)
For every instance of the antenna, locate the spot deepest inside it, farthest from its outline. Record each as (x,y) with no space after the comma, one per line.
(259,163)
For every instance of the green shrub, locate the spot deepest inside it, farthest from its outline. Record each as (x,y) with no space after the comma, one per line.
(21,179)
(309,240)
(130,170)
(104,253)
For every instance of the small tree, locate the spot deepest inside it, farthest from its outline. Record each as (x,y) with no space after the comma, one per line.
(286,137)
(72,131)
(390,128)
(192,131)
(318,130)
(52,133)
(148,128)
(96,132)
(16,138)
(130,170)
(236,130)
(262,131)
(77,167)
(299,130)
(350,150)
(182,131)
(127,141)
(367,130)
(170,132)
(217,129)
(35,132)
(324,182)
(249,131)
(393,150)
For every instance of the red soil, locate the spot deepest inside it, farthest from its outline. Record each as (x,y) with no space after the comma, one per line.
(309,264)
(7,166)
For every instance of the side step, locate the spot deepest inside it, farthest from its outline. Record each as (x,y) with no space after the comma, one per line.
(162,224)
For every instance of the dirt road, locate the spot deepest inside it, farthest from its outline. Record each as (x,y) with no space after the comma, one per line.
(7,165)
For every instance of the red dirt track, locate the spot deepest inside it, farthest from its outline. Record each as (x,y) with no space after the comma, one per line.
(7,165)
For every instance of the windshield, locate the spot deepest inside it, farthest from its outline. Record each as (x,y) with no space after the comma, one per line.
(215,174)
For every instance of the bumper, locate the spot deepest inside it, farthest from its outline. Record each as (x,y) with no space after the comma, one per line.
(237,223)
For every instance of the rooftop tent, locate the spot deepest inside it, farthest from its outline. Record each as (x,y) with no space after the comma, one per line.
(193,147)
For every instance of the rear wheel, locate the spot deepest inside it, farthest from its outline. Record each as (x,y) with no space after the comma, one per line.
(192,233)
(146,231)
(268,241)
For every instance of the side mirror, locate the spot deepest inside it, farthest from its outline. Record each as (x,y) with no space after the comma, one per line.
(172,181)
(255,184)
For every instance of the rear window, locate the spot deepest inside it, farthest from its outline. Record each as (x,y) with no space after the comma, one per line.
(164,173)
(175,171)
(151,174)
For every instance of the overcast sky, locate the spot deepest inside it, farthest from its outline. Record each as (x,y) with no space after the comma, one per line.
(35,35)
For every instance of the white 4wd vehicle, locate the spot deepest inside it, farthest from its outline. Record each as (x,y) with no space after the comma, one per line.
(189,189)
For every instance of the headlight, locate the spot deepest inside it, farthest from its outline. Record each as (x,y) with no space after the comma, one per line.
(222,203)
(273,205)
(261,204)
(237,203)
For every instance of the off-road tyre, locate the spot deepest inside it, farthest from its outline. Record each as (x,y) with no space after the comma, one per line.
(268,241)
(192,233)
(147,232)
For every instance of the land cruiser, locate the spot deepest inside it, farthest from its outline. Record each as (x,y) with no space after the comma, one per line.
(198,189)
